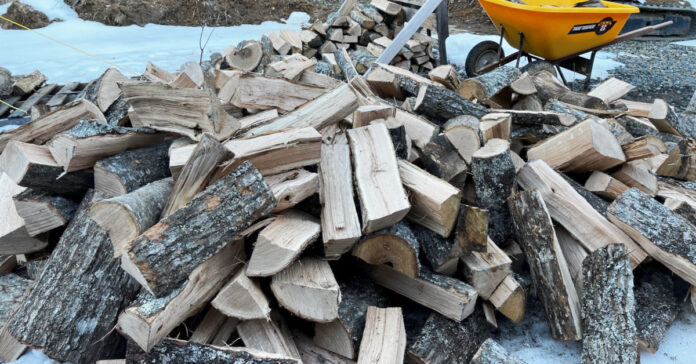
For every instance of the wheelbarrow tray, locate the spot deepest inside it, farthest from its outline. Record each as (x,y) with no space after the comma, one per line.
(556,29)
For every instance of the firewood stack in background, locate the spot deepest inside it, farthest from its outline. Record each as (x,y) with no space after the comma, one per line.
(287,216)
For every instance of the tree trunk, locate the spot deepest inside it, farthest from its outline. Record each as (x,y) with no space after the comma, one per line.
(128,171)
(608,308)
(486,87)
(76,300)
(165,254)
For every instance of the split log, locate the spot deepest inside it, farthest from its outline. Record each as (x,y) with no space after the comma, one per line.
(549,87)
(14,237)
(187,352)
(587,146)
(384,338)
(608,307)
(382,199)
(439,104)
(149,319)
(126,172)
(105,91)
(279,44)
(271,336)
(667,121)
(318,79)
(639,127)
(231,205)
(605,185)
(127,216)
(396,245)
(245,58)
(80,265)
(243,299)
(260,92)
(573,212)
(384,84)
(435,344)
(489,312)
(446,75)
(644,147)
(418,129)
(308,289)
(611,90)
(494,181)
(323,111)
(463,133)
(574,254)
(657,306)
(524,85)
(550,273)
(441,159)
(440,253)
(491,352)
(664,235)
(42,129)
(157,74)
(281,242)
(291,188)
(26,84)
(43,211)
(191,76)
(682,208)
(637,174)
(434,202)
(184,111)
(598,204)
(345,63)
(485,270)
(495,125)
(510,299)
(271,153)
(196,173)
(7,264)
(213,323)
(313,354)
(363,115)
(489,88)
(291,67)
(10,348)
(528,103)
(340,225)
(89,141)
(681,162)
(472,229)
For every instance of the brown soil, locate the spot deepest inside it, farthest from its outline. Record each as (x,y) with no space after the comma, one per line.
(24,14)
(196,12)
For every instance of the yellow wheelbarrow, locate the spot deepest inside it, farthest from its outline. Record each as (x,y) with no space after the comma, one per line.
(557,31)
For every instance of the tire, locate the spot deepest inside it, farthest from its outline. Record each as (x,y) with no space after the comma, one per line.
(538,66)
(482,54)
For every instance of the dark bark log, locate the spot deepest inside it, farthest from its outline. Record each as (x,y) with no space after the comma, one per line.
(43,211)
(76,299)
(532,134)
(439,252)
(657,306)
(117,113)
(684,209)
(491,352)
(345,63)
(12,290)
(608,307)
(440,104)
(639,129)
(548,87)
(472,229)
(396,245)
(126,172)
(400,141)
(550,273)
(446,341)
(485,88)
(166,253)
(494,181)
(665,235)
(441,159)
(562,108)
(174,351)
(597,203)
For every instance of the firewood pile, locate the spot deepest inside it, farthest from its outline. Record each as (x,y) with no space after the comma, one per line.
(223,215)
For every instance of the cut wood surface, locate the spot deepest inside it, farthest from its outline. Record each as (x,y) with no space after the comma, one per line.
(434,202)
(384,338)
(259,92)
(126,172)
(281,242)
(42,211)
(471,233)
(587,146)
(495,125)
(148,319)
(14,237)
(231,204)
(242,298)
(210,326)
(608,307)
(487,86)
(605,185)
(510,299)
(573,212)
(637,174)
(665,235)
(446,75)
(269,336)
(611,90)
(383,201)
(308,289)
(485,270)
(292,187)
(666,120)
(463,133)
(245,58)
(550,273)
(396,245)
(644,147)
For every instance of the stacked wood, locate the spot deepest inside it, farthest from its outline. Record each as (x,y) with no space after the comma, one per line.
(187,352)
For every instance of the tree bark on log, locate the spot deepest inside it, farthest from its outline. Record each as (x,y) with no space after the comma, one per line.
(550,273)
(163,256)
(663,234)
(127,216)
(657,306)
(439,252)
(385,336)
(345,63)
(548,87)
(608,307)
(681,162)
(52,319)
(471,232)
(491,352)
(598,204)
(486,87)
(494,181)
(186,352)
(128,171)
(43,211)
(441,159)
(13,289)
(446,341)
(440,104)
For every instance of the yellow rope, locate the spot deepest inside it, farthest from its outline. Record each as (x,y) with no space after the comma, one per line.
(69,46)
(12,107)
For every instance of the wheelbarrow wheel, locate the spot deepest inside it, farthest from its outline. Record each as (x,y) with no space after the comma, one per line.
(481,55)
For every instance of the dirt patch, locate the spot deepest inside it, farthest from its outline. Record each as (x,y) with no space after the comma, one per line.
(25,14)
(468,16)
(196,12)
